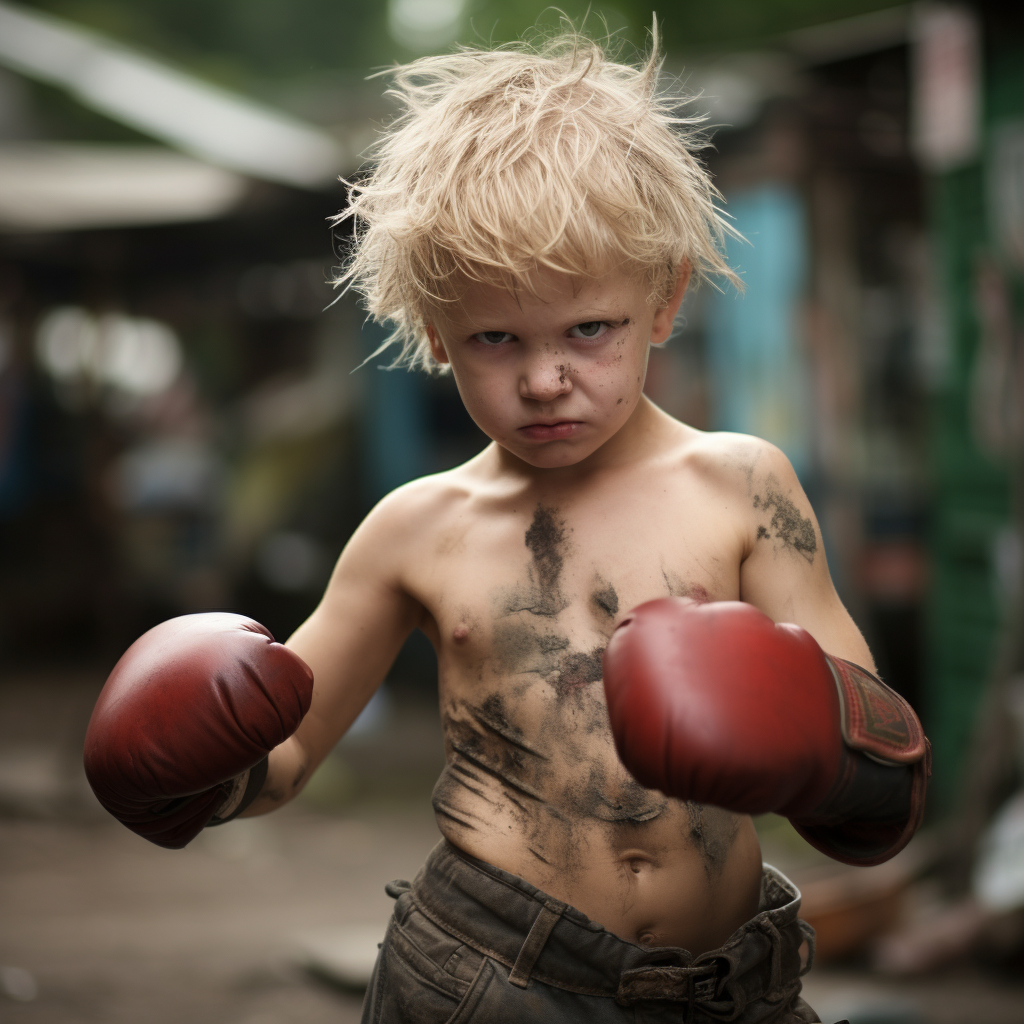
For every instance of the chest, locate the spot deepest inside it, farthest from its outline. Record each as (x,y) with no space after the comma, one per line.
(543,584)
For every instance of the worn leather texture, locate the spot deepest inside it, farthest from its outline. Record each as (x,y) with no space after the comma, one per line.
(192,703)
(877,802)
(716,703)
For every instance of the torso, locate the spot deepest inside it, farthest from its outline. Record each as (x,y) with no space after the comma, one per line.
(521,587)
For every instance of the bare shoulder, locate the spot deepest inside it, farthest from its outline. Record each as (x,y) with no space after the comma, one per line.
(421,504)
(725,459)
(754,481)
(411,519)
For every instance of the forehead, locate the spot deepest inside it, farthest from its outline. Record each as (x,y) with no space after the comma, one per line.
(548,297)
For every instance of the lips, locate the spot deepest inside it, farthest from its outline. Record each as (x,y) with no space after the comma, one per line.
(557,431)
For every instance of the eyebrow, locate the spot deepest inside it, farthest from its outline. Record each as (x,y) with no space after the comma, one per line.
(589,318)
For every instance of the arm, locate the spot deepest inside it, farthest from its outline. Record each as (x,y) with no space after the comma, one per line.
(878,797)
(737,704)
(783,570)
(349,642)
(205,717)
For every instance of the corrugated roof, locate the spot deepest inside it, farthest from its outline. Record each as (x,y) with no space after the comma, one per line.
(168,104)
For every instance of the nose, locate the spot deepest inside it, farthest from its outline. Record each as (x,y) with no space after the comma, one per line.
(544,378)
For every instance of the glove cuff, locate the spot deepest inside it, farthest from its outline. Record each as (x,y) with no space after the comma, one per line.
(877,801)
(246,787)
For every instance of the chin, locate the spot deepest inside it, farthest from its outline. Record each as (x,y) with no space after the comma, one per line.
(546,458)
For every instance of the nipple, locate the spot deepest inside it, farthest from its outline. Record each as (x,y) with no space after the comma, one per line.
(460,632)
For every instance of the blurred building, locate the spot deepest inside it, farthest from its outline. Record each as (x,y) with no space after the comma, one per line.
(874,166)
(171,389)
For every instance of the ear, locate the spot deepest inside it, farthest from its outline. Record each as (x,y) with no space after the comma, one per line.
(665,317)
(437,349)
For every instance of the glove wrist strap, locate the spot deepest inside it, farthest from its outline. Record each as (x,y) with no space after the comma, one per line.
(244,790)
(877,801)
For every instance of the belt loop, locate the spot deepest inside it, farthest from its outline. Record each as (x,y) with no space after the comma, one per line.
(775,943)
(534,943)
(807,931)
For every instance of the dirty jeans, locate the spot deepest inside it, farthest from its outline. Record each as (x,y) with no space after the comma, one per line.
(470,942)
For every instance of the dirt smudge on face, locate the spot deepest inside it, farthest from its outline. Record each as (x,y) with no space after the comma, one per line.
(791,529)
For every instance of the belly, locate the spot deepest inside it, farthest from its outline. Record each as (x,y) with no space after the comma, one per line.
(651,870)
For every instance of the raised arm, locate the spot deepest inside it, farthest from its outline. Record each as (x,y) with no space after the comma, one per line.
(783,570)
(349,642)
(206,717)
(769,703)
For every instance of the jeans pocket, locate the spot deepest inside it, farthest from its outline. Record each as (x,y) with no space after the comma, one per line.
(411,987)
(474,994)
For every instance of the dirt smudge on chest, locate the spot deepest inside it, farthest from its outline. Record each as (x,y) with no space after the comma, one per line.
(531,754)
(552,779)
(520,648)
(678,587)
(578,669)
(546,541)
(605,600)
(712,830)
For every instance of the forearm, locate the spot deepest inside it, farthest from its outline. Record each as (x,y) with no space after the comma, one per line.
(288,769)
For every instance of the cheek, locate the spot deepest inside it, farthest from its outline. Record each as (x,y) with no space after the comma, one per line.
(480,395)
(623,370)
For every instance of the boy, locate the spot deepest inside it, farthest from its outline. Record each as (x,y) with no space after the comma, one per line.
(531,226)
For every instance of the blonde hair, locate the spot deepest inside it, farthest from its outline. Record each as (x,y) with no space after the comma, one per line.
(525,157)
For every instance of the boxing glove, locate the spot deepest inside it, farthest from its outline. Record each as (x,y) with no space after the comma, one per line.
(718,704)
(181,731)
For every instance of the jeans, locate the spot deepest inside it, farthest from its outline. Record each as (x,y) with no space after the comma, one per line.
(470,942)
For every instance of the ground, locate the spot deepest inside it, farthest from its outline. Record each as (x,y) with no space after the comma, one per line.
(104,928)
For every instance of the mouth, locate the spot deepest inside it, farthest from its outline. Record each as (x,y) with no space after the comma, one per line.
(556,430)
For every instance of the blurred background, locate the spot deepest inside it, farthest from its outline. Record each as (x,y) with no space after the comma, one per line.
(181,430)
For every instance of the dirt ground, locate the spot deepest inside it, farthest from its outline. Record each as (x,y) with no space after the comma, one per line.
(99,927)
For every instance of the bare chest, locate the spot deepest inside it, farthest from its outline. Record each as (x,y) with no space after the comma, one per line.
(535,594)
(520,617)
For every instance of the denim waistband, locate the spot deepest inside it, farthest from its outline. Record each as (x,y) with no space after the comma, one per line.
(504,917)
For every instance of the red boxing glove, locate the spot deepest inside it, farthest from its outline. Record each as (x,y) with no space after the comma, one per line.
(190,708)
(718,704)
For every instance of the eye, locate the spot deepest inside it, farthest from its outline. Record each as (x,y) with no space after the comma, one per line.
(589,330)
(492,337)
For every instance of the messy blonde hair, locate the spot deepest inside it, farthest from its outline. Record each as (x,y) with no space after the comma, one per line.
(525,157)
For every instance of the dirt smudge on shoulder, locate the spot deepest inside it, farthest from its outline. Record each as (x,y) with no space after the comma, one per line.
(789,527)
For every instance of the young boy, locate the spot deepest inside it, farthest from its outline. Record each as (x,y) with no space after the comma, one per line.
(531,226)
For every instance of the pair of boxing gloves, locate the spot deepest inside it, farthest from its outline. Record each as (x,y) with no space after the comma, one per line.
(708,702)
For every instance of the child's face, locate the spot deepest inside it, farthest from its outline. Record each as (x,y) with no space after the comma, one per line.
(554,373)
